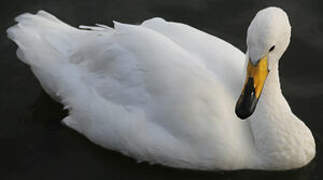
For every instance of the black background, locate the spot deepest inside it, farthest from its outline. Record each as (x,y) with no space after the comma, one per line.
(33,143)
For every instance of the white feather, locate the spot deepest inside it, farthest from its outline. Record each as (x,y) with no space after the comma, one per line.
(162,92)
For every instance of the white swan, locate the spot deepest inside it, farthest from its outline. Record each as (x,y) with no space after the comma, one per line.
(166,93)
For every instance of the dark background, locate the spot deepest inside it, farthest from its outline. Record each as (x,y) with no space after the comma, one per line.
(33,143)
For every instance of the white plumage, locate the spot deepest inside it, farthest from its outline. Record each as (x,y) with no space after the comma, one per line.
(165,92)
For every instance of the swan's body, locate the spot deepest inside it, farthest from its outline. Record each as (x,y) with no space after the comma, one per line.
(162,92)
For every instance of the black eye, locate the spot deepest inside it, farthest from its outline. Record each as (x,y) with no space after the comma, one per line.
(272,48)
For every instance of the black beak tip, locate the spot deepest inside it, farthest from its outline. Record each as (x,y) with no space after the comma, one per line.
(247,101)
(243,113)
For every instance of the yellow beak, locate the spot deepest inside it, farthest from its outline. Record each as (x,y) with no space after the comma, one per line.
(255,80)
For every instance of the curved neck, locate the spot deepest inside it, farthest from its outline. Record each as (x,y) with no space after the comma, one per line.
(272,86)
(272,102)
(279,136)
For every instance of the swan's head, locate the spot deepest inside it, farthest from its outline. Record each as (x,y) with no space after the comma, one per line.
(267,39)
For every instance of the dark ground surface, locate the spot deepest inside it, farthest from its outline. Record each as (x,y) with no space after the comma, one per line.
(33,144)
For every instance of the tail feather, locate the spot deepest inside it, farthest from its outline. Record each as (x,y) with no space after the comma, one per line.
(44,42)
(48,44)
(41,19)
(50,17)
(40,34)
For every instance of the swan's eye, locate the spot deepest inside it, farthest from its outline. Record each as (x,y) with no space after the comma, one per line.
(272,48)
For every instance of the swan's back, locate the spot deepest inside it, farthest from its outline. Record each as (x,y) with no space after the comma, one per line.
(211,50)
(156,95)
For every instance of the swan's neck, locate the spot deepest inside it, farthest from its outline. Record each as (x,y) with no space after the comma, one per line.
(280,138)
(272,90)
